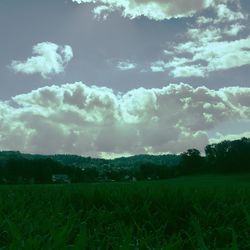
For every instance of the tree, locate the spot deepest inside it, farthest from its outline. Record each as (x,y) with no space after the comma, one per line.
(154,171)
(191,162)
(90,174)
(229,156)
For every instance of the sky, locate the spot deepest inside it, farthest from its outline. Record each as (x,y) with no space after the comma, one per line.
(109,78)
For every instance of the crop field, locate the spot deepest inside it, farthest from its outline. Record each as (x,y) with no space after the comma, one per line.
(200,212)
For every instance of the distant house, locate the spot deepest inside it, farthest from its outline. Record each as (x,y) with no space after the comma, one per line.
(133,178)
(129,178)
(60,178)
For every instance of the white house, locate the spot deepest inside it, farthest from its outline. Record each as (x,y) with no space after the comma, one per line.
(60,178)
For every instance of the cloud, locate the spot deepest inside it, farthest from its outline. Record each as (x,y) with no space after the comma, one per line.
(227,15)
(48,59)
(231,137)
(225,55)
(188,71)
(126,65)
(153,9)
(101,11)
(90,120)
(158,66)
(179,68)
(209,45)
(234,29)
(206,56)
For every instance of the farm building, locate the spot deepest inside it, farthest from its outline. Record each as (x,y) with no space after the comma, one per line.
(60,178)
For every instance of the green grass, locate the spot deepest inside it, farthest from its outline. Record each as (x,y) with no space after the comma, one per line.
(201,212)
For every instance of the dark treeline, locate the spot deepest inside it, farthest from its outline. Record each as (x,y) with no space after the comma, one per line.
(23,170)
(226,157)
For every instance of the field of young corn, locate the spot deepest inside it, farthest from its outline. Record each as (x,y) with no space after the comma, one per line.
(202,212)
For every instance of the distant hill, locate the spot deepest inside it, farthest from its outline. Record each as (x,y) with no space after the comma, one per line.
(224,157)
(169,160)
(83,162)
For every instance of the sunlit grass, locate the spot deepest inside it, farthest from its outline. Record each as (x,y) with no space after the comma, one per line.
(209,212)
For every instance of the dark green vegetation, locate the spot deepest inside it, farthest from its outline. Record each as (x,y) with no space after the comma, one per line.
(204,204)
(224,158)
(202,212)
(16,167)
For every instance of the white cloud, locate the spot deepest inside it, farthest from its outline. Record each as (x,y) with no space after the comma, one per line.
(234,29)
(75,118)
(188,71)
(230,137)
(49,58)
(178,68)
(158,66)
(207,47)
(101,11)
(212,43)
(199,36)
(126,65)
(216,55)
(227,15)
(201,20)
(154,9)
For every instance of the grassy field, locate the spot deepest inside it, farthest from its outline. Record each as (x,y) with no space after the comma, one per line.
(202,212)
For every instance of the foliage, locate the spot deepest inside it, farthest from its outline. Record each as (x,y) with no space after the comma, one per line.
(229,156)
(203,212)
(226,157)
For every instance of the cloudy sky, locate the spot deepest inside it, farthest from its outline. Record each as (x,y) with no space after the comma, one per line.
(120,77)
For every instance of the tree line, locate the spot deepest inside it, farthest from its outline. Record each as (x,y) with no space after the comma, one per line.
(226,157)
